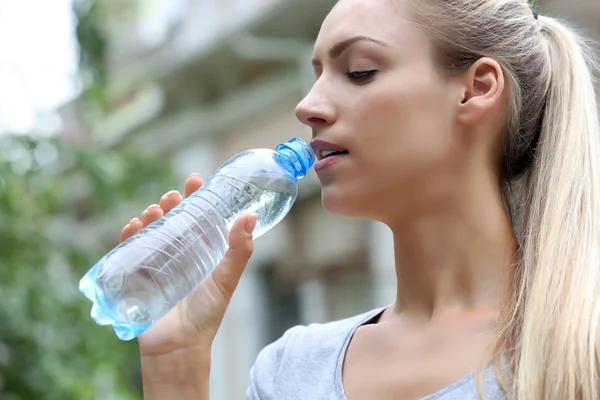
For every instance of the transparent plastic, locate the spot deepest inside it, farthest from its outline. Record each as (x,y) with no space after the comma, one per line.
(144,277)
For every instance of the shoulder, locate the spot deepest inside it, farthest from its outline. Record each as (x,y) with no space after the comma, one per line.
(306,355)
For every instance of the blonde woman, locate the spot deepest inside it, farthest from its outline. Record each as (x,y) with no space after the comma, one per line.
(470,128)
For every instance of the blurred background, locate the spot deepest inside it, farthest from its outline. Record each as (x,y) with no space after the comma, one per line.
(107,104)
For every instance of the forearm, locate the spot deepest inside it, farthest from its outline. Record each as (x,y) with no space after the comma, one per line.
(176,376)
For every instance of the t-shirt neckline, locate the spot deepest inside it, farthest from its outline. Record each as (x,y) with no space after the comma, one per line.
(368,318)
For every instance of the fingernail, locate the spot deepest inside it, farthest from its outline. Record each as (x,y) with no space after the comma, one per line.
(133,220)
(152,206)
(251,223)
(195,174)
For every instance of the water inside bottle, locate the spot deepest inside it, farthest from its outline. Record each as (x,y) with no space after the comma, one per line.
(146,276)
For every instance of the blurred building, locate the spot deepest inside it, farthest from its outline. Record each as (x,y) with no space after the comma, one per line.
(197,81)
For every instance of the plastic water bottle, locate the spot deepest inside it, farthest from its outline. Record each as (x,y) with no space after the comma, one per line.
(144,277)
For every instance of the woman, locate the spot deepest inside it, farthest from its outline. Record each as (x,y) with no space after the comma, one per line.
(470,129)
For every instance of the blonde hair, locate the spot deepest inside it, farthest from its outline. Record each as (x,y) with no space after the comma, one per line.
(548,331)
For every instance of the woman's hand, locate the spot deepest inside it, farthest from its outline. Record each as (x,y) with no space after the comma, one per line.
(175,351)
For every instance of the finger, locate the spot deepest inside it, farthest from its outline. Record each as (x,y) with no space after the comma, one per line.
(227,274)
(151,214)
(169,201)
(193,183)
(130,229)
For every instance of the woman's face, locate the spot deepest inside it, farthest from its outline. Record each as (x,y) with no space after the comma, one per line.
(379,95)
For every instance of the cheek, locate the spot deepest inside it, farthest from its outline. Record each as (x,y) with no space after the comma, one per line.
(401,135)
(409,127)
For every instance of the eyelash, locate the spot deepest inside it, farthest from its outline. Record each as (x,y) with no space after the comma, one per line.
(360,76)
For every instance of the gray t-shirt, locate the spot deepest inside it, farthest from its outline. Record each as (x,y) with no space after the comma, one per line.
(306,364)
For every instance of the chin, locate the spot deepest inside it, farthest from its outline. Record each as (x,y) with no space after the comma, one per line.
(334,201)
(345,204)
(360,203)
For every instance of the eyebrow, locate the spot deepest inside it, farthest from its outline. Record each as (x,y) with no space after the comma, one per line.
(340,47)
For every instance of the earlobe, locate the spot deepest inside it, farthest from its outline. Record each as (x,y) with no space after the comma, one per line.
(483,85)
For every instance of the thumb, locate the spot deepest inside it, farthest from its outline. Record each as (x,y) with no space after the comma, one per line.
(227,274)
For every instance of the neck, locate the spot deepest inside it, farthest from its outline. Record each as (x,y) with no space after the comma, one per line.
(455,259)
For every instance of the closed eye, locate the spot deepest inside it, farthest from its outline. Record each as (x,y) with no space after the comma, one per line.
(360,76)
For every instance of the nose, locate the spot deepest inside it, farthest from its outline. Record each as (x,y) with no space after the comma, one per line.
(316,110)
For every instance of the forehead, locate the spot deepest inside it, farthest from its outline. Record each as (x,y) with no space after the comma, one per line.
(385,20)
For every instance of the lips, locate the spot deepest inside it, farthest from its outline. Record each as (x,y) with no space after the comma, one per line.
(327,153)
(324,149)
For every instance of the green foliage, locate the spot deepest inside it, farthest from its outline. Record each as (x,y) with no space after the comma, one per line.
(57,202)
(51,197)
(93,51)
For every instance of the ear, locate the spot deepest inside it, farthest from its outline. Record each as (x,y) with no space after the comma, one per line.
(483,88)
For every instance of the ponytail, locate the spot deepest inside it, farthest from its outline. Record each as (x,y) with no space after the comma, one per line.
(548,345)
(551,330)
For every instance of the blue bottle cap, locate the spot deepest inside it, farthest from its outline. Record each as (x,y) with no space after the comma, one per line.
(300,154)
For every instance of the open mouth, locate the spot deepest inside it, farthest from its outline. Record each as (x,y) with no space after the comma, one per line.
(330,153)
